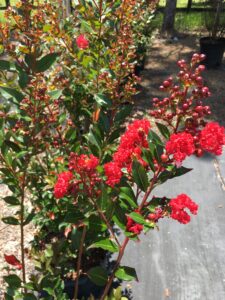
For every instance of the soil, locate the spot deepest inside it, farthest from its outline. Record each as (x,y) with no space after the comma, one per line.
(161,63)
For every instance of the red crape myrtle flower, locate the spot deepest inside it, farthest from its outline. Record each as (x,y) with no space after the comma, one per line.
(62,185)
(180,145)
(82,42)
(212,138)
(85,167)
(83,163)
(132,226)
(113,173)
(130,148)
(12,260)
(178,206)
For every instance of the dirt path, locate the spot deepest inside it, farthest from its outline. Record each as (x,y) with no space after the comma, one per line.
(161,63)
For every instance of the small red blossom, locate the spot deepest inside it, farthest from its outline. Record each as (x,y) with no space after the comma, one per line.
(132,226)
(180,145)
(62,185)
(82,42)
(12,260)
(212,138)
(113,173)
(130,148)
(178,206)
(85,168)
(83,163)
(158,213)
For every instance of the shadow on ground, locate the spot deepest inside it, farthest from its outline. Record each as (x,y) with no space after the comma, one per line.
(161,63)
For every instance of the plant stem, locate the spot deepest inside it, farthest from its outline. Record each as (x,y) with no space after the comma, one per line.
(110,281)
(79,262)
(126,240)
(150,188)
(22,233)
(104,219)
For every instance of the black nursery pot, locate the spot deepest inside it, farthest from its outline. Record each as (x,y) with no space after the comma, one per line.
(214,50)
(86,288)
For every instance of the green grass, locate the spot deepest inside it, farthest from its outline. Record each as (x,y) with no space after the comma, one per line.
(183,21)
(192,21)
(183,3)
(2,4)
(12,2)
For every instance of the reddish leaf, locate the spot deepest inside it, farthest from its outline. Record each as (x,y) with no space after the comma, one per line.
(12,260)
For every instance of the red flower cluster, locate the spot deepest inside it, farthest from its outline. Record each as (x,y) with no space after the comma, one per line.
(12,260)
(212,138)
(130,147)
(62,185)
(180,145)
(132,226)
(84,167)
(113,173)
(83,163)
(178,206)
(82,42)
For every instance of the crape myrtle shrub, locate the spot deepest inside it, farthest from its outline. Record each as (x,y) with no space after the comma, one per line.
(72,169)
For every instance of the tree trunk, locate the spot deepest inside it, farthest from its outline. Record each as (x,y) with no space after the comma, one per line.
(67,5)
(169,18)
(7,3)
(189,5)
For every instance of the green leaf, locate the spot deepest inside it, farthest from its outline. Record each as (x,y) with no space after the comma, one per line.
(140,176)
(86,26)
(149,158)
(10,221)
(96,224)
(13,281)
(153,138)
(163,130)
(119,216)
(173,172)
(47,27)
(138,218)
(127,194)
(181,171)
(123,113)
(7,92)
(94,139)
(103,199)
(114,135)
(11,200)
(126,273)
(23,79)
(48,251)
(5,65)
(29,218)
(15,147)
(46,62)
(29,296)
(73,217)
(105,244)
(102,100)
(98,275)
(55,94)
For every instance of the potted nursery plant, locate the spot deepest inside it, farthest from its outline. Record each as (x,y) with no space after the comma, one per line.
(88,195)
(213,45)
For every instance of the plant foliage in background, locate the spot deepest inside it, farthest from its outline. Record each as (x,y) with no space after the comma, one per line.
(71,168)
